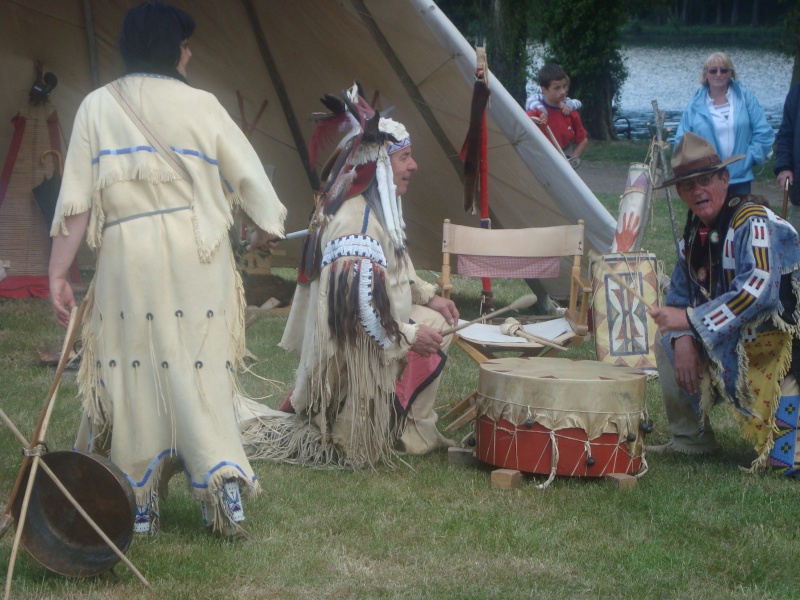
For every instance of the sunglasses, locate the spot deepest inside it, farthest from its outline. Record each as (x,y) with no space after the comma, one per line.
(723,70)
(688,185)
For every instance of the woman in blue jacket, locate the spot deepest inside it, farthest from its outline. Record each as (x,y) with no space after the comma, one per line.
(728,115)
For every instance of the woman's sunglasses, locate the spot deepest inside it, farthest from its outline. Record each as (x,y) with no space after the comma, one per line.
(723,70)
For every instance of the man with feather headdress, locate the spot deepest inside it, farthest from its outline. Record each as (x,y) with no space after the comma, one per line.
(367,328)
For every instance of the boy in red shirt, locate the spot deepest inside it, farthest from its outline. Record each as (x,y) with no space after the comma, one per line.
(564,130)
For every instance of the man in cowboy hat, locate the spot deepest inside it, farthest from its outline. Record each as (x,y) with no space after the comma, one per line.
(731,312)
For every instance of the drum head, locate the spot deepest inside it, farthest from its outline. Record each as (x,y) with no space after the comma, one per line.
(56,535)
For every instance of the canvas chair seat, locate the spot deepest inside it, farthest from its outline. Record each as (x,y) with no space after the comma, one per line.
(531,253)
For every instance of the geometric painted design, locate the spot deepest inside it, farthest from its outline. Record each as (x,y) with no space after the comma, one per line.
(784,457)
(623,331)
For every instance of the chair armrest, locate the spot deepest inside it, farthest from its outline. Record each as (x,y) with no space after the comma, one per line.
(577,322)
(584,285)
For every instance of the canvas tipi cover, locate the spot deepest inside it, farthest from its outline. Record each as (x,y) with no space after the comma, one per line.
(289,53)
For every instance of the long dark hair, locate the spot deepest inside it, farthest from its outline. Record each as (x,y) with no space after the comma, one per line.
(151,36)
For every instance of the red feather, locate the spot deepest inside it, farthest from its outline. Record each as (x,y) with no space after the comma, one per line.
(326,129)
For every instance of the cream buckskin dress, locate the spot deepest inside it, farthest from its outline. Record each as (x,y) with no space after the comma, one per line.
(164,332)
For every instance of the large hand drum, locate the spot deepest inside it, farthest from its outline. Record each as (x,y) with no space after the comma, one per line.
(557,416)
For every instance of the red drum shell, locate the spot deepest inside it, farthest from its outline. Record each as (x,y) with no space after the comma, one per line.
(530,450)
(591,410)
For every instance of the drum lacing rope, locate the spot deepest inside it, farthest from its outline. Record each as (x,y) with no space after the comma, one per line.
(587,445)
(587,451)
(554,435)
(553,463)
(643,469)
(37,450)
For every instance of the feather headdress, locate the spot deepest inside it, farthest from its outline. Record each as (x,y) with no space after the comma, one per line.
(360,164)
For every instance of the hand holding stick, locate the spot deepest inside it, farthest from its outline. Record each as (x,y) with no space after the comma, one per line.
(522,302)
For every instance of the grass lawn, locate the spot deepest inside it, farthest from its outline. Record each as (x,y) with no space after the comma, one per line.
(691,528)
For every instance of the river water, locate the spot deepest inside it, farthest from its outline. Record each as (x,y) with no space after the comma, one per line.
(671,76)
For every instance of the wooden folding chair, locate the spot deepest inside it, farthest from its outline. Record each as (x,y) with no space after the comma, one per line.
(531,253)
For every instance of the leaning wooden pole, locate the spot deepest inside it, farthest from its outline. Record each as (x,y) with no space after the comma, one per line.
(411,88)
(57,482)
(662,159)
(283,96)
(91,38)
(41,426)
(482,78)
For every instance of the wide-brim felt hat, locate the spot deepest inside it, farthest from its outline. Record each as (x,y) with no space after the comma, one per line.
(695,156)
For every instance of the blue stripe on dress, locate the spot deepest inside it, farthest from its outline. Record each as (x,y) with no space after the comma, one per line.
(366,220)
(132,149)
(184,151)
(201,485)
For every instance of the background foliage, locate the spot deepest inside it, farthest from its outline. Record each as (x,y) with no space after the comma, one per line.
(585,37)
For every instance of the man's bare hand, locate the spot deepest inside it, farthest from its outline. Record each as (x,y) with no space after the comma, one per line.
(428,341)
(783,176)
(688,365)
(447,308)
(670,318)
(258,239)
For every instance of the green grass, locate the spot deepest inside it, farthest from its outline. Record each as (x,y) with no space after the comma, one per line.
(616,151)
(691,528)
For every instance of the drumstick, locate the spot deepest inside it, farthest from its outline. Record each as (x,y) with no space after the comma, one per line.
(522,302)
(291,236)
(514,328)
(624,284)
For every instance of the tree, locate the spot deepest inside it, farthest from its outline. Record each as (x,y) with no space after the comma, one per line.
(584,38)
(790,43)
(502,26)
(507,45)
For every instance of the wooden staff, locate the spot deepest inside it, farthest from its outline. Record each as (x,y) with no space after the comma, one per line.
(514,328)
(74,502)
(72,331)
(554,140)
(624,284)
(522,302)
(785,198)
(32,450)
